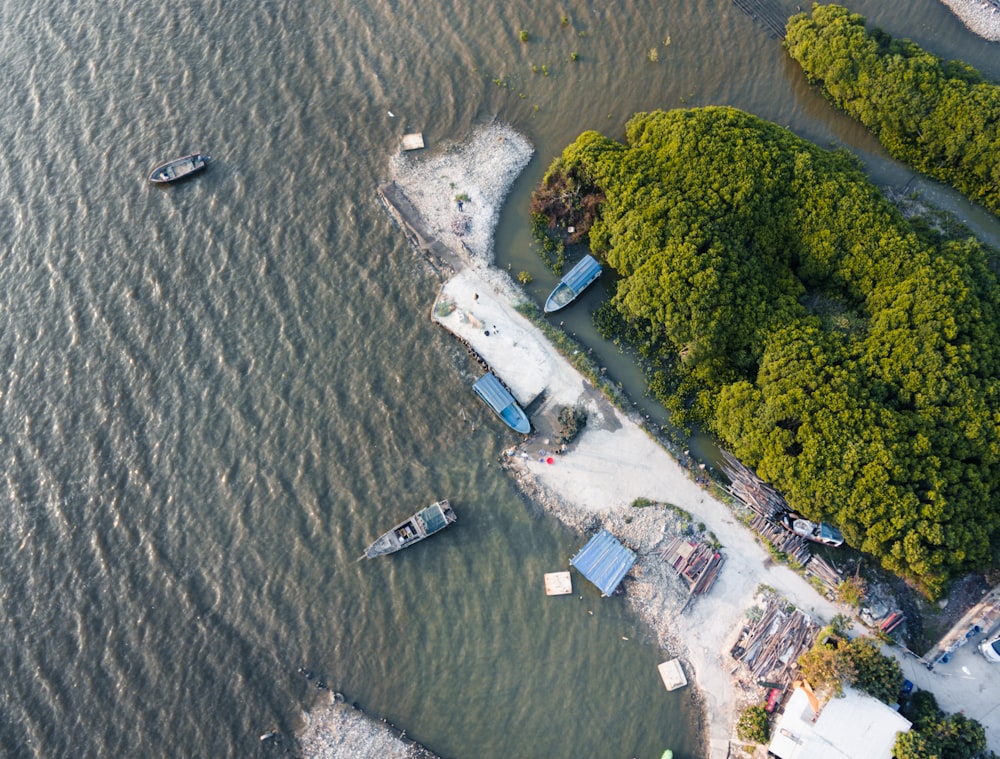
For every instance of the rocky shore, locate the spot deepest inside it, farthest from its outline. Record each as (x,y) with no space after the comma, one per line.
(981,17)
(337,730)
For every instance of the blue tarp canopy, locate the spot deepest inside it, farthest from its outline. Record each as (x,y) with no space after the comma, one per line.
(575,282)
(604,561)
(498,398)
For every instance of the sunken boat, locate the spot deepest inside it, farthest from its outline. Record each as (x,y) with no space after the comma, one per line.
(178,169)
(579,278)
(421,525)
(818,532)
(502,403)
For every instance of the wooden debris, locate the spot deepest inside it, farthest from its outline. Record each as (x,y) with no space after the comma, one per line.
(768,506)
(768,649)
(824,572)
(751,489)
(794,546)
(697,563)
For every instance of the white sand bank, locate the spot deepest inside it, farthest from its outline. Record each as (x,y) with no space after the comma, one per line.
(613,461)
(980,17)
(335,730)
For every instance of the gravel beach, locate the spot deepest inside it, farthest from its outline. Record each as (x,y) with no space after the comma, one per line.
(981,17)
(336,730)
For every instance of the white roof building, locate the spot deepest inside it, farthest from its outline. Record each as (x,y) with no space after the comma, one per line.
(856,726)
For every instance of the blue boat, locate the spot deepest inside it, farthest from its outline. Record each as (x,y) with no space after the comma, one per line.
(579,278)
(504,405)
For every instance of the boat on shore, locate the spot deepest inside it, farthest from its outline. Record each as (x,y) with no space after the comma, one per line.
(179,168)
(423,524)
(820,532)
(502,403)
(579,278)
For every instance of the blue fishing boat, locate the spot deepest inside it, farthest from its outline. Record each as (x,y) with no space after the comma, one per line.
(579,278)
(504,405)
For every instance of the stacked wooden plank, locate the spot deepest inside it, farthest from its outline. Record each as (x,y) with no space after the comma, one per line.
(769,648)
(792,545)
(697,563)
(824,572)
(759,496)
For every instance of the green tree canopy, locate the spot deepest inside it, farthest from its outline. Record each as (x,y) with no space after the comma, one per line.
(851,361)
(939,116)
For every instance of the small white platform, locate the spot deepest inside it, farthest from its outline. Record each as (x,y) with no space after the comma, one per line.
(558,584)
(413,141)
(672,675)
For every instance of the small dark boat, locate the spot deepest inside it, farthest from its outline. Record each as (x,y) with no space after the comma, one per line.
(179,168)
(503,404)
(423,524)
(818,533)
(579,278)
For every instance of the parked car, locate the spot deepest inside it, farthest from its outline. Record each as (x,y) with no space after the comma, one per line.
(990,648)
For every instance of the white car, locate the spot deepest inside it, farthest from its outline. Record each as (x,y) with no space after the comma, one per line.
(990,648)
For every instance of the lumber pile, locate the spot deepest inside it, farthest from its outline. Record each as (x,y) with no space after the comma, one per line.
(792,545)
(695,562)
(767,505)
(769,648)
(825,572)
(745,485)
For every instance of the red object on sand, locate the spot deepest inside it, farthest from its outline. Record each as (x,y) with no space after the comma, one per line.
(772,700)
(550,460)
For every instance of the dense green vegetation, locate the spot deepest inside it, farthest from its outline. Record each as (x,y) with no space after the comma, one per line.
(939,116)
(835,659)
(754,725)
(786,305)
(937,734)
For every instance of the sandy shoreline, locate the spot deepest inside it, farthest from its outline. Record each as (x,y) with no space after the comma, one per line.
(981,17)
(614,461)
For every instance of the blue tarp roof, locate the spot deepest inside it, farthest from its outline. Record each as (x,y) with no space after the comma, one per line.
(604,561)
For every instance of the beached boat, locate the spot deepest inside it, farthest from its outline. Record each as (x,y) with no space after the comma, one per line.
(503,404)
(579,278)
(817,532)
(178,169)
(423,524)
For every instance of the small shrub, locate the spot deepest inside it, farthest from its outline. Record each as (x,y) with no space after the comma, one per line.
(753,725)
(524,277)
(524,35)
(852,591)
(574,56)
(571,421)
(654,55)
(564,21)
